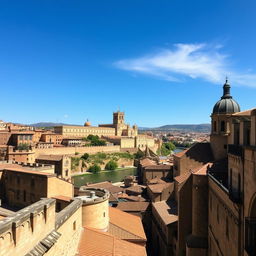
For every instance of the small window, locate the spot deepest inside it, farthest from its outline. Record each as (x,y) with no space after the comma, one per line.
(222,126)
(214,126)
(74,225)
(104,214)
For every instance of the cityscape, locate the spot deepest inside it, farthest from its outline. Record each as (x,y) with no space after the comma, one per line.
(110,148)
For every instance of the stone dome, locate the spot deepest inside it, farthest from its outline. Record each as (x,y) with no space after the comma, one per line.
(226,104)
(87,123)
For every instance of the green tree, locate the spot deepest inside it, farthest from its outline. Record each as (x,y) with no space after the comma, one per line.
(139,154)
(94,168)
(85,156)
(23,146)
(111,165)
(166,149)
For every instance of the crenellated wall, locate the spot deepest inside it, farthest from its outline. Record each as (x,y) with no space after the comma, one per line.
(22,231)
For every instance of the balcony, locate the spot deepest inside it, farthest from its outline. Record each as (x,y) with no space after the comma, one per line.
(250,236)
(236,150)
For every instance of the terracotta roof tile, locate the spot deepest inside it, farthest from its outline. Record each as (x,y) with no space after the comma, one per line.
(127,222)
(132,206)
(244,113)
(159,188)
(167,211)
(180,154)
(96,243)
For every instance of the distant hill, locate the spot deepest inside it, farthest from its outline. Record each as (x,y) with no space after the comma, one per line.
(181,127)
(48,124)
(170,127)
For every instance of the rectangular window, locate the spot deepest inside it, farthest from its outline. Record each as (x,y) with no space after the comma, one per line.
(74,225)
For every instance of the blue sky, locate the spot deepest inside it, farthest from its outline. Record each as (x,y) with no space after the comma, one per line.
(162,62)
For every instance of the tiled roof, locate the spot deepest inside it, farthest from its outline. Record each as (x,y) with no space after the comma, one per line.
(181,153)
(147,161)
(96,243)
(132,198)
(159,188)
(200,152)
(182,178)
(30,172)
(158,167)
(167,211)
(50,157)
(137,189)
(106,185)
(127,222)
(244,113)
(132,206)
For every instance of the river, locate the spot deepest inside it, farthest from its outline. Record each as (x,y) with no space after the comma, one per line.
(114,176)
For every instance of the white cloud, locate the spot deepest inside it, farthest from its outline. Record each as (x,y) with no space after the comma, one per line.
(188,60)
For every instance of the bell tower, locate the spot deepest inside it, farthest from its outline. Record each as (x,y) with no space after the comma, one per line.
(118,118)
(220,129)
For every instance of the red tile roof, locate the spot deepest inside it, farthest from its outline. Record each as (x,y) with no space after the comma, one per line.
(96,243)
(133,206)
(127,222)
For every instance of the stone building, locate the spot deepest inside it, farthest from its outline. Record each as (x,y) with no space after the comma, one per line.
(62,164)
(215,189)
(76,227)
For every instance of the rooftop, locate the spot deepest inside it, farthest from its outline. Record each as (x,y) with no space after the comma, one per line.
(106,185)
(167,211)
(109,245)
(126,222)
(50,157)
(132,206)
(159,188)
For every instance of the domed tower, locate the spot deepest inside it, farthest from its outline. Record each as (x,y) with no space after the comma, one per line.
(222,110)
(87,123)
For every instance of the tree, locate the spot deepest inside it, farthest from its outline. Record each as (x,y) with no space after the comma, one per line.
(95,140)
(85,156)
(111,165)
(139,155)
(94,168)
(166,148)
(23,146)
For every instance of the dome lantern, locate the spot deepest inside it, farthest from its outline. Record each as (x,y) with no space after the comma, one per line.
(226,105)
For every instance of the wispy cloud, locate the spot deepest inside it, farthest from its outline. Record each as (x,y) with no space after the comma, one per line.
(201,61)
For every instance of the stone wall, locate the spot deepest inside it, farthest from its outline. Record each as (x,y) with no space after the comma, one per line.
(73,150)
(70,230)
(223,223)
(22,231)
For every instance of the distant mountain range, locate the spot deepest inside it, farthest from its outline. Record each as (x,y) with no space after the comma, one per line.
(180,127)
(171,127)
(48,124)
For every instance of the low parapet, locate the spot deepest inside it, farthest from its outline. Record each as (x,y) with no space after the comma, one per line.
(68,211)
(25,214)
(93,195)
